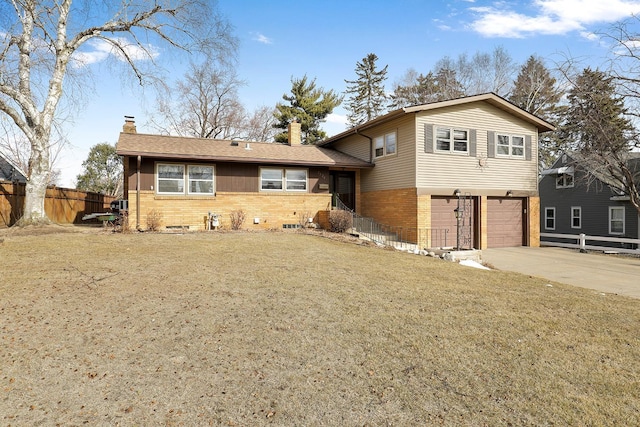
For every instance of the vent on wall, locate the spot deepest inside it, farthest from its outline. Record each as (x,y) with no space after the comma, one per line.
(291,226)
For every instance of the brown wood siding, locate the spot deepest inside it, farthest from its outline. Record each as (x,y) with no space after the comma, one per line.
(230,177)
(443,170)
(237,177)
(505,222)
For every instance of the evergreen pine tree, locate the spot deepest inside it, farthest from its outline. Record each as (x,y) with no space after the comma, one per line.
(307,104)
(595,121)
(597,128)
(535,91)
(367,96)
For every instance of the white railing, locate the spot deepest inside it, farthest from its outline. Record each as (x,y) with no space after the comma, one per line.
(581,242)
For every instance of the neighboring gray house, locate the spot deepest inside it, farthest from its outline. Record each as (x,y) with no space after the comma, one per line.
(10,171)
(573,203)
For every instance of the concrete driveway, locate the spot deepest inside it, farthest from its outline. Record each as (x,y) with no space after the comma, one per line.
(605,273)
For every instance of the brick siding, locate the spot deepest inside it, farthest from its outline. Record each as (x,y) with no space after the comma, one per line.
(272,210)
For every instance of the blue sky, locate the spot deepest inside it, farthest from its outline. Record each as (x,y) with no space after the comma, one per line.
(324,40)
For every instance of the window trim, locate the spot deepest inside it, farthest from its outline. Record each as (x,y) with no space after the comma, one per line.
(384,145)
(158,179)
(510,146)
(452,140)
(564,180)
(189,180)
(185,179)
(611,209)
(547,218)
(578,217)
(283,172)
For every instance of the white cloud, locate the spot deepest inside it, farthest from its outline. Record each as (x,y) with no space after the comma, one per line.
(552,17)
(99,50)
(261,38)
(337,118)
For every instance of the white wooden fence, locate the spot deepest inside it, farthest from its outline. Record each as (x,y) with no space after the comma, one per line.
(581,242)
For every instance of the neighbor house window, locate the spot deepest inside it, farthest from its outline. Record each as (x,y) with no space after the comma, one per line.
(200,179)
(564,180)
(452,140)
(170,179)
(510,145)
(550,218)
(272,179)
(385,145)
(576,217)
(616,220)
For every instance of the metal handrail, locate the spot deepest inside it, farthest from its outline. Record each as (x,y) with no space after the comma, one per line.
(396,236)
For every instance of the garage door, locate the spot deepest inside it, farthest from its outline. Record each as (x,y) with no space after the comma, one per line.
(505,225)
(443,217)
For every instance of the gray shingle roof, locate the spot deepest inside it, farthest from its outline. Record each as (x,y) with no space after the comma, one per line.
(184,148)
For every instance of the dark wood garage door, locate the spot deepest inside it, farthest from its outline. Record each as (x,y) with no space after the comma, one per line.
(443,217)
(505,225)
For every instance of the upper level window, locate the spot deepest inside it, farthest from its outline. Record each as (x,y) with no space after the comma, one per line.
(272,179)
(616,220)
(171,179)
(452,140)
(564,180)
(385,145)
(510,145)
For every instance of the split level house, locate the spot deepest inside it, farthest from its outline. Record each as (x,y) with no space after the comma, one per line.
(578,199)
(465,167)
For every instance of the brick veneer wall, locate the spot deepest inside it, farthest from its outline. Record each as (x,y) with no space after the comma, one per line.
(533,213)
(392,207)
(272,209)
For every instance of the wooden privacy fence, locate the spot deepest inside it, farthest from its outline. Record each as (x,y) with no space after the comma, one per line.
(62,205)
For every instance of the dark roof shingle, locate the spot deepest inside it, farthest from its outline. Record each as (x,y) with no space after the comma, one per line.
(185,148)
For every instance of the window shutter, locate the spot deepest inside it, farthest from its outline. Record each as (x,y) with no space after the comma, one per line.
(491,144)
(428,138)
(527,147)
(472,142)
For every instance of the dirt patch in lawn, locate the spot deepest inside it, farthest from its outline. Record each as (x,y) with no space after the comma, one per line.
(279,328)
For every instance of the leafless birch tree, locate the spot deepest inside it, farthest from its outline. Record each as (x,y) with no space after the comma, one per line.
(40,39)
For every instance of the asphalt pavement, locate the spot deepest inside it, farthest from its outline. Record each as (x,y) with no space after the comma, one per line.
(605,273)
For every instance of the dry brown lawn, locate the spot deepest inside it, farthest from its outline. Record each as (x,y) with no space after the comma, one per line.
(278,328)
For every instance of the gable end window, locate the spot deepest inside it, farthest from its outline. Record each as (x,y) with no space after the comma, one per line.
(550,218)
(178,179)
(510,146)
(452,140)
(616,219)
(564,180)
(277,179)
(385,145)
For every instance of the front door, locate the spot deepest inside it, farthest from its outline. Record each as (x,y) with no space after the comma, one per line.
(343,185)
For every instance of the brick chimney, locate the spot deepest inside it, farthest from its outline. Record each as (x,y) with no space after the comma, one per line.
(295,130)
(129,125)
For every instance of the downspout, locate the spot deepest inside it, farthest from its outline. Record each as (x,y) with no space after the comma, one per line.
(370,144)
(138,194)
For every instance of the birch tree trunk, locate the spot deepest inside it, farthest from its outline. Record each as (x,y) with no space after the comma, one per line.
(39,37)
